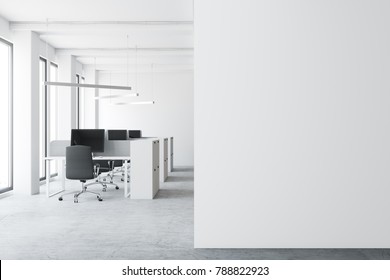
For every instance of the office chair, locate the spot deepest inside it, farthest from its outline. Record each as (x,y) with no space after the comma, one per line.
(107,170)
(79,166)
(135,134)
(117,134)
(114,167)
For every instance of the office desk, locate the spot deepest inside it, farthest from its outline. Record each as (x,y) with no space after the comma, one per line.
(126,159)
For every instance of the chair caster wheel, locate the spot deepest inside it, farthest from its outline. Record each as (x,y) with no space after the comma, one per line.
(76,201)
(104,190)
(60,198)
(122,180)
(117,188)
(100,199)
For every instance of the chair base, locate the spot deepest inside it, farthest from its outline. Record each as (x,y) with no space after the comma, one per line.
(76,194)
(103,181)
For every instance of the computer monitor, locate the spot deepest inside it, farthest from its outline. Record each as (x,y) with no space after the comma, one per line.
(117,134)
(135,133)
(89,137)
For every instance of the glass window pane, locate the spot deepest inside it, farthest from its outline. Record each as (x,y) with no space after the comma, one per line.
(81,105)
(5,75)
(77,102)
(52,112)
(42,117)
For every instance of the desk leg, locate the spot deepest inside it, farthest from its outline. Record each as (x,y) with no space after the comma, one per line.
(47,178)
(126,184)
(48,194)
(63,174)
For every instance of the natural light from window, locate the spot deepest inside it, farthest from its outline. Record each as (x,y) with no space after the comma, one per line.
(5,68)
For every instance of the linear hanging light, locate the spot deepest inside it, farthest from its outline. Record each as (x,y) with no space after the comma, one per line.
(133,103)
(63,84)
(116,96)
(142,102)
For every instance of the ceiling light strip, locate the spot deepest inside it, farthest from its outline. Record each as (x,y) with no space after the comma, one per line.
(142,102)
(133,103)
(116,96)
(62,84)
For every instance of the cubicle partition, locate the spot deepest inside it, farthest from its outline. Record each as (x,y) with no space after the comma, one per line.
(143,155)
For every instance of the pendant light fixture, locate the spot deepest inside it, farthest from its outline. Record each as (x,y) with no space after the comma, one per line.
(66,84)
(152,85)
(121,103)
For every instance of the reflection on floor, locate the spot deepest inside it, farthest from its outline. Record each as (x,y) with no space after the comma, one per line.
(118,228)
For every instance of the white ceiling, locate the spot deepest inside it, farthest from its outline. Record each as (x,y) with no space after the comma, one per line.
(97,10)
(162,30)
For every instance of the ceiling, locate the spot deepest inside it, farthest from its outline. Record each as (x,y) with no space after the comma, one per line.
(108,33)
(97,10)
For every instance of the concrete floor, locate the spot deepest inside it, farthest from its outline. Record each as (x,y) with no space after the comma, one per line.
(34,227)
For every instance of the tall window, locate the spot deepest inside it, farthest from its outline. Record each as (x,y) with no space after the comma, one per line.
(47,112)
(5,116)
(77,102)
(52,112)
(42,116)
(81,105)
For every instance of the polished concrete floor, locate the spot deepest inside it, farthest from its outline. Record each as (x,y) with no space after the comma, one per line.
(34,227)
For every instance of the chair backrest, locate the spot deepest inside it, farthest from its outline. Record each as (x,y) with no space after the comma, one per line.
(79,165)
(117,134)
(135,134)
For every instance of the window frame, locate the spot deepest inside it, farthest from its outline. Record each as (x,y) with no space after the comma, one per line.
(78,79)
(10,116)
(45,60)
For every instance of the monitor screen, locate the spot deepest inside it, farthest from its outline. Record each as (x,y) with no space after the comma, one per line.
(117,134)
(135,133)
(89,137)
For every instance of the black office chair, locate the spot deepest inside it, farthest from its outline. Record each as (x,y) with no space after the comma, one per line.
(79,166)
(111,168)
(135,134)
(108,169)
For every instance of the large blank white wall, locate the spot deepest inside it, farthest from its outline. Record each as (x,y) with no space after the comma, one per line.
(293,123)
(171,115)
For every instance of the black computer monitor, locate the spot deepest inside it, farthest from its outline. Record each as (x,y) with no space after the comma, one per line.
(89,137)
(117,134)
(135,133)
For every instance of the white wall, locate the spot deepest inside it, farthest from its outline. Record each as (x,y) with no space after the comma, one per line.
(26,112)
(171,115)
(4,29)
(47,52)
(292,124)
(27,49)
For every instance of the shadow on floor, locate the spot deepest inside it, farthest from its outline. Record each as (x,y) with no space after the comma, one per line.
(293,254)
(179,179)
(183,169)
(174,193)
